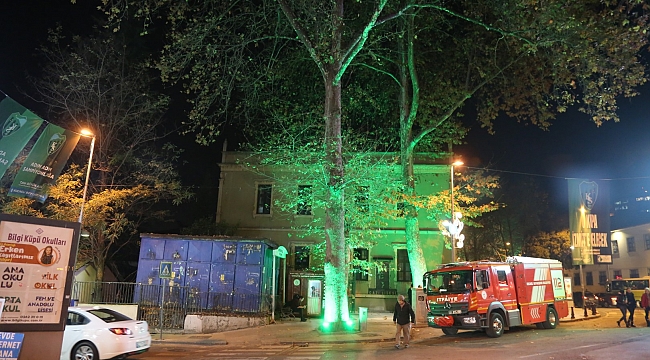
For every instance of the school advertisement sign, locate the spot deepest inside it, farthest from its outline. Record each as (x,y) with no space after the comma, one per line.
(35,270)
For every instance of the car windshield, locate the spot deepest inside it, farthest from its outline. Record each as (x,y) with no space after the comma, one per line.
(108,315)
(449,282)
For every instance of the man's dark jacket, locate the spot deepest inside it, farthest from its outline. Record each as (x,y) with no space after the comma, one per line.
(402,313)
(631,302)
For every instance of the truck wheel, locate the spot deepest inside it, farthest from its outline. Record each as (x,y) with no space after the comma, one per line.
(449,330)
(551,318)
(495,326)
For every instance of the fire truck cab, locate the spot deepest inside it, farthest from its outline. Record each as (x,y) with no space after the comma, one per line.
(494,296)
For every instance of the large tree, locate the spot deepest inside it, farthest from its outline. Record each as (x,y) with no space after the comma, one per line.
(529,60)
(100,83)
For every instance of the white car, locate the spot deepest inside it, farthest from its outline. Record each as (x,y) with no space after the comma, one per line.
(93,333)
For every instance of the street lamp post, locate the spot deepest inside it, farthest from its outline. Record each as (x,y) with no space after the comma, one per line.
(507,246)
(453,241)
(87,133)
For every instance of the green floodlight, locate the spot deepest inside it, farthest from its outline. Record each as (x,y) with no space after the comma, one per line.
(325,326)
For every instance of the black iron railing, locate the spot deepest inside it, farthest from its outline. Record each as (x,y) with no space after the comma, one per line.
(177,301)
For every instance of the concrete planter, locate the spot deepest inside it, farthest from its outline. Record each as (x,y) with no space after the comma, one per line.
(204,324)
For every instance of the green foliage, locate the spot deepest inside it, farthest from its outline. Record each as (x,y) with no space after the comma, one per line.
(372,180)
(528,60)
(551,245)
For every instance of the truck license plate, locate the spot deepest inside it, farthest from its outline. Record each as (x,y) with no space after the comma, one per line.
(455,311)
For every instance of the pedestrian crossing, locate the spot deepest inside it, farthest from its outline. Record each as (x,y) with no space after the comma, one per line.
(259,352)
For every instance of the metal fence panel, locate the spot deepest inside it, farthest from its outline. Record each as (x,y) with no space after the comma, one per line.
(179,301)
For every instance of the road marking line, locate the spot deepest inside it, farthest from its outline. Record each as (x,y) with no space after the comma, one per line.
(552,352)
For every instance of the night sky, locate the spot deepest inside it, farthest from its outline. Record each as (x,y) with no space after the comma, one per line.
(574,146)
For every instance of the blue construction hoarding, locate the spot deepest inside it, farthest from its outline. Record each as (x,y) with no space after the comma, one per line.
(208,272)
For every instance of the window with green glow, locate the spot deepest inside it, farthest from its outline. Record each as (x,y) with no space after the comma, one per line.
(362,199)
(301,257)
(304,200)
(361,274)
(403,266)
(263,205)
(401,209)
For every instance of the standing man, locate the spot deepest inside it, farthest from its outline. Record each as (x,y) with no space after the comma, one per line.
(403,317)
(631,306)
(297,306)
(645,304)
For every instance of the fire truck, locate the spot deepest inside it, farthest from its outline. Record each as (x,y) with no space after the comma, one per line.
(494,296)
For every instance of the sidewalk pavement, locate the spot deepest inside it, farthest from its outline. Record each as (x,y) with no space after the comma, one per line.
(380,328)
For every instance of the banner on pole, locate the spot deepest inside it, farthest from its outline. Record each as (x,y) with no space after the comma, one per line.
(44,163)
(18,126)
(589,222)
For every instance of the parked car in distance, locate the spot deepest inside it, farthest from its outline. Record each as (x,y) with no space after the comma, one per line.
(93,333)
(606,300)
(590,299)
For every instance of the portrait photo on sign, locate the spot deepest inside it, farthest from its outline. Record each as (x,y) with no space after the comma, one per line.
(47,256)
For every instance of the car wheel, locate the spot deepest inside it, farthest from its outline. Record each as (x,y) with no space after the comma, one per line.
(449,330)
(495,326)
(84,351)
(551,318)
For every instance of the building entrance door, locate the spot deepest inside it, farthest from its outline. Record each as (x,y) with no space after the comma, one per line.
(314,304)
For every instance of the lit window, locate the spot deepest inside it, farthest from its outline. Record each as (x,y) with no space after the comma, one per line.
(263,205)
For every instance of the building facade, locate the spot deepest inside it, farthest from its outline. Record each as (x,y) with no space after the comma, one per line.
(248,201)
(630,259)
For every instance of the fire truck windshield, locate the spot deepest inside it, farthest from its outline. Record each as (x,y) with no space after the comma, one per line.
(449,282)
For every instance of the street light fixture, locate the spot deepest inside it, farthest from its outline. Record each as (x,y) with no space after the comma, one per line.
(87,133)
(453,242)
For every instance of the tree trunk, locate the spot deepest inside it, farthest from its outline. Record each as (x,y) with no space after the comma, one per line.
(408,99)
(336,264)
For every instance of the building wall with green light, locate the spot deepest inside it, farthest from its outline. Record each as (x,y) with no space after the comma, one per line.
(238,198)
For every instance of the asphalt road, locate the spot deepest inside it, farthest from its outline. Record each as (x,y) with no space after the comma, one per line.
(584,340)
